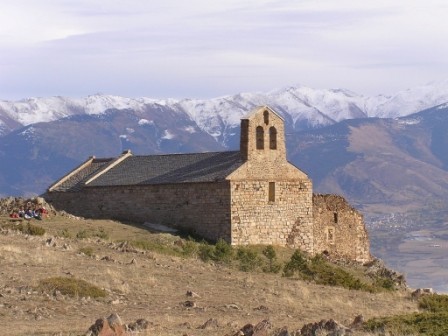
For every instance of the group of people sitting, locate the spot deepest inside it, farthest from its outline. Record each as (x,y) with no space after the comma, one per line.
(35,211)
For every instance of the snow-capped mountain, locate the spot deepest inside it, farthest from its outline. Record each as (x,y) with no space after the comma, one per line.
(302,107)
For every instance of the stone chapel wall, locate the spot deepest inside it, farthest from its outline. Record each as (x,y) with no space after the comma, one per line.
(203,208)
(271,198)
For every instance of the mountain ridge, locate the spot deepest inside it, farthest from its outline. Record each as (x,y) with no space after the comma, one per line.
(306,107)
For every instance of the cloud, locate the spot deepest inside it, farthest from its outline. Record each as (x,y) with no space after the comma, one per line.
(202,49)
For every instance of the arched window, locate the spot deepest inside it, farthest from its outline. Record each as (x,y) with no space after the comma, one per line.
(272,138)
(266,117)
(260,137)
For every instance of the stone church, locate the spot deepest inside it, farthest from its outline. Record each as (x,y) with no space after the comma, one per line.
(250,196)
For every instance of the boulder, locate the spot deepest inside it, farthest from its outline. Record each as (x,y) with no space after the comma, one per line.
(111,326)
(324,328)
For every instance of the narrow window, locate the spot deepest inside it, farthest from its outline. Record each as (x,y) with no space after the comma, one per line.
(330,235)
(266,117)
(335,217)
(271,191)
(260,137)
(272,138)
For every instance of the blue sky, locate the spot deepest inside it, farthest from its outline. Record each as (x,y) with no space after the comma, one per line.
(203,49)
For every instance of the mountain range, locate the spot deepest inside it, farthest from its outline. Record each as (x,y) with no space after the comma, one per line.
(384,153)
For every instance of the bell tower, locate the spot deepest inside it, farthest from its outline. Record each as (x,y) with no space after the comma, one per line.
(263,136)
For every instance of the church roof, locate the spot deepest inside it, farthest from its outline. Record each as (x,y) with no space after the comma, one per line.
(158,169)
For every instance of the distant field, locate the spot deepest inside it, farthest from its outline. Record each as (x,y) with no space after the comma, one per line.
(422,255)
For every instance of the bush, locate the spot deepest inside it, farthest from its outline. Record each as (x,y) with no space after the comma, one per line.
(206,252)
(82,234)
(101,234)
(71,287)
(190,248)
(272,266)
(249,260)
(297,264)
(221,252)
(430,324)
(434,303)
(322,272)
(33,230)
(65,233)
(385,283)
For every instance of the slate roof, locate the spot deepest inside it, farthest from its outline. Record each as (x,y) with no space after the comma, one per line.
(157,169)
(76,182)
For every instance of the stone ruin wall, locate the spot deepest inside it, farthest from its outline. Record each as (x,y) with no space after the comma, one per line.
(203,208)
(339,229)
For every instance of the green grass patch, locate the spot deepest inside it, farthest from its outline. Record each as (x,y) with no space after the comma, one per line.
(434,303)
(429,324)
(89,233)
(71,287)
(432,322)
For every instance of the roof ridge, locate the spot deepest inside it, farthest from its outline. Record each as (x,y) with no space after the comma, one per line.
(119,159)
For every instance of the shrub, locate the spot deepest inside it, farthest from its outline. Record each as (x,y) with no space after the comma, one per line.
(385,283)
(249,260)
(71,287)
(297,264)
(33,230)
(189,248)
(322,272)
(430,324)
(272,266)
(221,252)
(434,303)
(82,234)
(101,234)
(65,233)
(206,252)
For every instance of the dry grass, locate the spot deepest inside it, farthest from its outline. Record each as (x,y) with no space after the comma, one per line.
(153,286)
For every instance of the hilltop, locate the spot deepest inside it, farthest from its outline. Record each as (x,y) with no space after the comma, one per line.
(147,274)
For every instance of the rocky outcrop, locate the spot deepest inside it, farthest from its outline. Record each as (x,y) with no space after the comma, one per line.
(113,326)
(376,268)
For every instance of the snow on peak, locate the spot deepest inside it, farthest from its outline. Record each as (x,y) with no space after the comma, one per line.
(219,117)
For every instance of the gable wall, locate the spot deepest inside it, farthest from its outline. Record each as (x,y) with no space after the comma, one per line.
(286,221)
(201,207)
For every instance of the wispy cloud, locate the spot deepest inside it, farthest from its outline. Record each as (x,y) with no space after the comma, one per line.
(201,48)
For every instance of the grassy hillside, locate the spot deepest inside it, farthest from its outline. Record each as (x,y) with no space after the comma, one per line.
(144,274)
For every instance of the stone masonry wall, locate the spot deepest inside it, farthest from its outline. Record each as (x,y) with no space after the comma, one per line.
(339,229)
(201,207)
(287,219)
